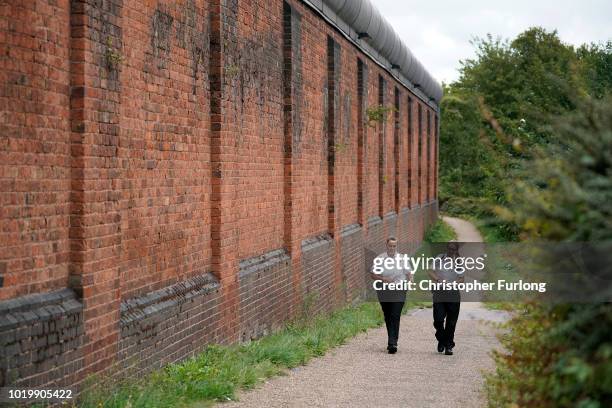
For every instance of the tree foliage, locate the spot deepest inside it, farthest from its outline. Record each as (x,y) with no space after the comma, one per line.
(561,355)
(526,141)
(497,114)
(565,192)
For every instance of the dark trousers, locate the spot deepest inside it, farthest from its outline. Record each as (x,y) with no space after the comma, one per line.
(393,313)
(445,315)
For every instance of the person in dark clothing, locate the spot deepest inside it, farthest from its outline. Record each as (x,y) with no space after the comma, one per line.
(446,303)
(391,301)
(393,313)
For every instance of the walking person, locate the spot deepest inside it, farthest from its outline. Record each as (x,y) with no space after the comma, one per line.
(391,301)
(446,303)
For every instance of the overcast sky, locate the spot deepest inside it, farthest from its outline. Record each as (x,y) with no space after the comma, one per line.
(438,32)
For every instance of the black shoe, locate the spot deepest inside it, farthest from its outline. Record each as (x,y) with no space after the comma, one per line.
(448,351)
(440,347)
(392,349)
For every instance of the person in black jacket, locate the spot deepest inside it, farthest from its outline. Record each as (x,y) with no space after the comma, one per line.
(446,303)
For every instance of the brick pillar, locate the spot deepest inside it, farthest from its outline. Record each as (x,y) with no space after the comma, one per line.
(437,153)
(333,202)
(292,103)
(425,156)
(419,153)
(432,158)
(224,239)
(420,175)
(410,155)
(396,152)
(95,236)
(382,91)
(362,137)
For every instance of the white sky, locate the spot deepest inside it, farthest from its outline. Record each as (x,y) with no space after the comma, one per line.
(438,31)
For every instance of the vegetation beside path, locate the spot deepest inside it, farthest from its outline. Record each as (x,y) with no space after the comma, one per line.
(220,371)
(526,150)
(217,373)
(440,232)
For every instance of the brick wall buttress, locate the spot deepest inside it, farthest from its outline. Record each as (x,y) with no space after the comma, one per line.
(223,105)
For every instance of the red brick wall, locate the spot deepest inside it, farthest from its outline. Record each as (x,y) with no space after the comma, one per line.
(310,194)
(257,85)
(389,162)
(372,148)
(179,173)
(346,139)
(34,146)
(164,145)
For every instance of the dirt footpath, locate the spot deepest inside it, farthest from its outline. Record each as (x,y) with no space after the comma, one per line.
(361,373)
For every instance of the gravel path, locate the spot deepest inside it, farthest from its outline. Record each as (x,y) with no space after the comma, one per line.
(361,373)
(466,231)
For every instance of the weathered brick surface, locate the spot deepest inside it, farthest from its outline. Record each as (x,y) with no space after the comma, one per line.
(164,145)
(375,239)
(353,276)
(188,172)
(318,262)
(406,232)
(419,221)
(433,215)
(169,324)
(265,293)
(41,338)
(34,146)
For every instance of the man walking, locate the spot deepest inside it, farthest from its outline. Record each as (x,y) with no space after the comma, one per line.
(446,303)
(391,300)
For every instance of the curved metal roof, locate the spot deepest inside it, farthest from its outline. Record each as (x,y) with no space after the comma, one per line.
(362,17)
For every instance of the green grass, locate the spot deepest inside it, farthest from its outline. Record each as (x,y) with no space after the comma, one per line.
(490,233)
(440,232)
(220,371)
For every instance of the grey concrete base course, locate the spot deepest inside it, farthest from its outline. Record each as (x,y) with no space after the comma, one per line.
(169,324)
(318,274)
(352,263)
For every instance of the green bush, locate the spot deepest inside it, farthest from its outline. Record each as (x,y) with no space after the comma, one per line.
(561,355)
(555,357)
(494,117)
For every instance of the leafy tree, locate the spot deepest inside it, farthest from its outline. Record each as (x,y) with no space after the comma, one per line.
(494,117)
(596,67)
(542,60)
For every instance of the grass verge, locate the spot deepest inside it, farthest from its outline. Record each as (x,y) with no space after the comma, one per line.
(440,232)
(218,372)
(490,232)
